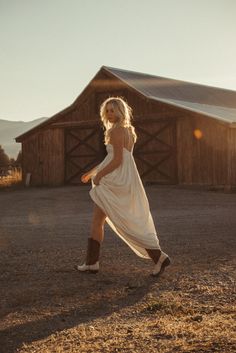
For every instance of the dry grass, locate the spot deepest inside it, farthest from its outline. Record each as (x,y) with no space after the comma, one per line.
(187,318)
(15,179)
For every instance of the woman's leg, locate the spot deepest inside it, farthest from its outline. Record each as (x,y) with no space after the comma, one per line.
(94,240)
(97,227)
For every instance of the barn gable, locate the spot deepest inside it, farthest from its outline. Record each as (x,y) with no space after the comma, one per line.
(166,115)
(214,102)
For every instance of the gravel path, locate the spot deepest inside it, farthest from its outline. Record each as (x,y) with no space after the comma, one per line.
(46,306)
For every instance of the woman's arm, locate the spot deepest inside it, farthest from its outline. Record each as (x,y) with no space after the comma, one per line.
(117,140)
(87,176)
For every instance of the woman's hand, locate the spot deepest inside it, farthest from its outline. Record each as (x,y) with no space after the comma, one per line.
(85,177)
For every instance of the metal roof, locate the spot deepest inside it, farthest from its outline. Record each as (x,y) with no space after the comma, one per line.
(213,101)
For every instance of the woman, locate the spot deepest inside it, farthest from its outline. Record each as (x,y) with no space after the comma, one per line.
(118,193)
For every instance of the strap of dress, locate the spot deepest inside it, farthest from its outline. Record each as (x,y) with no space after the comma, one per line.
(128,139)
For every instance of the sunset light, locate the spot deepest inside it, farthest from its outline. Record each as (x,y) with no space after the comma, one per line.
(197,134)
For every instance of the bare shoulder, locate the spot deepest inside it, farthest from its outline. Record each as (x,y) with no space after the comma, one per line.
(117,134)
(118,130)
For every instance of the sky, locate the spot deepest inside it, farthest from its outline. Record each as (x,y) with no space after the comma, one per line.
(51,49)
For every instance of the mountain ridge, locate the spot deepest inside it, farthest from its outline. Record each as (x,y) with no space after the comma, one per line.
(9,130)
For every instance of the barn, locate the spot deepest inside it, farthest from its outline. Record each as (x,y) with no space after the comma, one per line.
(186,132)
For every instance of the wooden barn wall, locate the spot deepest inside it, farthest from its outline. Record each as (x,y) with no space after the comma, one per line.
(202,156)
(52,156)
(43,157)
(232,156)
(30,160)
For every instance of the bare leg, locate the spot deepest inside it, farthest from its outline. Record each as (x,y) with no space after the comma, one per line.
(96,237)
(97,227)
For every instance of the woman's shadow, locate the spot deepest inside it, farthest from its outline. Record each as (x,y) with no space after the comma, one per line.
(65,298)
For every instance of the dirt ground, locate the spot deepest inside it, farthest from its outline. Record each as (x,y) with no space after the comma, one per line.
(46,306)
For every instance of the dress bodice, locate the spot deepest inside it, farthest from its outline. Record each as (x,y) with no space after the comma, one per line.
(109,148)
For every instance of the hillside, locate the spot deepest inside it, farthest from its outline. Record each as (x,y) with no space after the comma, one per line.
(11,129)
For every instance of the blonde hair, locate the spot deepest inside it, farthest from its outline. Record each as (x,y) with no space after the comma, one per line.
(122,111)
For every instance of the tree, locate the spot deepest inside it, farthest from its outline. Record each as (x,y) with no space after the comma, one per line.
(4,159)
(12,162)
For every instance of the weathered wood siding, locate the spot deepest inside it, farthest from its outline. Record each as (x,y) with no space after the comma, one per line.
(201,160)
(43,157)
(30,159)
(231,157)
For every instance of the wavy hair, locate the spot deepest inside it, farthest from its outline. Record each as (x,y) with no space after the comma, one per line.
(122,111)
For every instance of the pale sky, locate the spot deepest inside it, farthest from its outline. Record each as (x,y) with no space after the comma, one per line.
(51,49)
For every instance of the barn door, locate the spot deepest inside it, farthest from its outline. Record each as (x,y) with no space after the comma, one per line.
(84,149)
(155,150)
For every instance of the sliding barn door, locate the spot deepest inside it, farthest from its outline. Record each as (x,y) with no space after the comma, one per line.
(84,149)
(155,150)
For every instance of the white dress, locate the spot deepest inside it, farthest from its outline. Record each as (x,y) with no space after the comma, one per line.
(121,196)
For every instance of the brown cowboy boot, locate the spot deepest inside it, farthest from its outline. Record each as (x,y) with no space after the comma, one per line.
(160,259)
(154,254)
(91,264)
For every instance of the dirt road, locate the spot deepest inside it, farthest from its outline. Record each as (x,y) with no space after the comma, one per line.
(46,306)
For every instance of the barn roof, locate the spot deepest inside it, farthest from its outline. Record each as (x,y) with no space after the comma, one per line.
(212,101)
(215,102)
